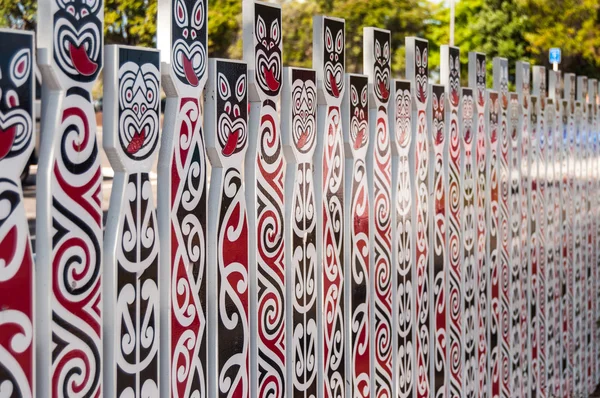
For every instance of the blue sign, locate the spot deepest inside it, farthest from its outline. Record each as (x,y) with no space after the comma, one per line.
(555,55)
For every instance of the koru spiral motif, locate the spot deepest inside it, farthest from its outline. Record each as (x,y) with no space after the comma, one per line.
(329,45)
(377,48)
(182,199)
(228,296)
(451,78)
(70,234)
(131,253)
(265,172)
(404,247)
(17,139)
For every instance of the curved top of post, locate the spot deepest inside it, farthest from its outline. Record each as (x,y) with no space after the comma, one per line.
(262,48)
(329,58)
(500,70)
(417,69)
(377,54)
(182,35)
(450,73)
(478,76)
(523,82)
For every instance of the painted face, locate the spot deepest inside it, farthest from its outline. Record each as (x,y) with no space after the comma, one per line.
(467,114)
(525,88)
(504,83)
(304,110)
(232,107)
(493,117)
(16,102)
(334,57)
(438,113)
(268,48)
(78,39)
(139,96)
(403,105)
(382,65)
(481,74)
(454,75)
(421,69)
(514,116)
(359,108)
(189,40)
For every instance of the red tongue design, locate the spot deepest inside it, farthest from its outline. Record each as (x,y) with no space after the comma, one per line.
(454,97)
(385,93)
(7,138)
(334,88)
(81,61)
(359,139)
(231,143)
(302,140)
(136,142)
(270,78)
(190,74)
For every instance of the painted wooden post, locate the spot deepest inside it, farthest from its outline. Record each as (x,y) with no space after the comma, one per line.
(17,285)
(589,218)
(539,89)
(477,81)
(437,237)
(450,78)
(522,83)
(69,212)
(227,254)
(516,285)
(332,340)
(264,178)
(299,130)
(467,200)
(131,285)
(377,57)
(492,247)
(357,222)
(500,68)
(403,253)
(593,216)
(417,69)
(182,198)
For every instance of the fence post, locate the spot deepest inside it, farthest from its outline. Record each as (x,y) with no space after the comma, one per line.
(377,54)
(69,201)
(333,331)
(226,120)
(590,220)
(131,124)
(403,249)
(17,284)
(299,130)
(182,196)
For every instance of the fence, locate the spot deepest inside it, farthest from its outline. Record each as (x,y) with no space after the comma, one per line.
(360,236)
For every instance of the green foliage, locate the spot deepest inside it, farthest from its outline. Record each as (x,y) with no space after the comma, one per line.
(18,14)
(131,22)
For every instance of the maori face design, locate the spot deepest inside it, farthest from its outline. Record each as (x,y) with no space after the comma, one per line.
(403,108)
(139,96)
(304,110)
(359,110)
(467,114)
(232,107)
(504,83)
(480,68)
(334,57)
(438,113)
(421,69)
(189,40)
(268,48)
(543,88)
(16,102)
(493,116)
(382,65)
(78,39)
(514,116)
(454,75)
(533,115)
(525,88)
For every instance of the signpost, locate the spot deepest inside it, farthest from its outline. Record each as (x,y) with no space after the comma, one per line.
(555,57)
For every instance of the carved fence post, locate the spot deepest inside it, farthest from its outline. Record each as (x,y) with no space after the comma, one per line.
(450,78)
(596,206)
(182,196)
(593,252)
(377,57)
(264,178)
(467,208)
(227,277)
(403,249)
(17,285)
(131,122)
(500,68)
(516,284)
(437,236)
(590,274)
(417,71)
(69,212)
(333,337)
(357,221)
(477,81)
(299,130)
